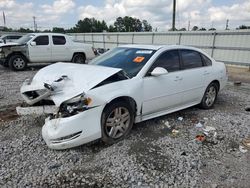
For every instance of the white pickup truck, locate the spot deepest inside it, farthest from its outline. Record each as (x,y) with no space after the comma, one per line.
(44,47)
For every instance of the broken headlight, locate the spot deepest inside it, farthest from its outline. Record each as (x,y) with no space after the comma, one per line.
(74,106)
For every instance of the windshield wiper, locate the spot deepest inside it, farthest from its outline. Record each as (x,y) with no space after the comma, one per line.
(125,74)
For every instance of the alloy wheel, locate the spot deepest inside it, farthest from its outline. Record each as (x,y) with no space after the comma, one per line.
(117,122)
(19,63)
(210,96)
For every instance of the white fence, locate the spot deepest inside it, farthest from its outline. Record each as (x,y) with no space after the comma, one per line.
(231,47)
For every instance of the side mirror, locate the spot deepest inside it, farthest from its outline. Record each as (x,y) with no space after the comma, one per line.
(159,71)
(33,43)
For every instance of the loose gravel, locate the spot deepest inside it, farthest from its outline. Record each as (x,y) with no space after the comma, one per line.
(152,156)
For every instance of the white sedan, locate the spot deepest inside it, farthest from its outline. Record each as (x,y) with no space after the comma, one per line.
(126,85)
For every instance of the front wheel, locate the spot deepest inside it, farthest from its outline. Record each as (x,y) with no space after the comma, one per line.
(17,62)
(79,58)
(210,96)
(117,121)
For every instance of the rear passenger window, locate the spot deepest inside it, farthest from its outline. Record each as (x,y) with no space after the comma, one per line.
(206,60)
(168,60)
(191,59)
(42,40)
(58,40)
(14,37)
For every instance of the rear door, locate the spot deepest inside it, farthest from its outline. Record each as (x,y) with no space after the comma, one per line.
(194,76)
(60,49)
(163,92)
(41,52)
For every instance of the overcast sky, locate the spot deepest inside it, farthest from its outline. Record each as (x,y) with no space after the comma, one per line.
(66,13)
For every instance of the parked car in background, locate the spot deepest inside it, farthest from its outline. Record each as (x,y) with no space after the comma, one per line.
(126,85)
(44,47)
(9,38)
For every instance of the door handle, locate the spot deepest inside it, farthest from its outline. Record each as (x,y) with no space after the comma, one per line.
(206,73)
(177,78)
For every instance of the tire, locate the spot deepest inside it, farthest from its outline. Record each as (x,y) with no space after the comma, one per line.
(79,58)
(17,62)
(115,127)
(209,96)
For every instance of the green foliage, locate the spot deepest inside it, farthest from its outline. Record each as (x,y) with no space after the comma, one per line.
(6,29)
(195,28)
(87,25)
(202,29)
(243,27)
(125,24)
(58,30)
(130,24)
(183,29)
(23,30)
(146,26)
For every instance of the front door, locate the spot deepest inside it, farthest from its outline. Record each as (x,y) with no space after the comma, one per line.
(163,92)
(41,51)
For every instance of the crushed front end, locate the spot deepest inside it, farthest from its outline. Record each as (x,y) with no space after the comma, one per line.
(74,122)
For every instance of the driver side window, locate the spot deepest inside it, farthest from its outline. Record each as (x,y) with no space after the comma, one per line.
(168,60)
(42,40)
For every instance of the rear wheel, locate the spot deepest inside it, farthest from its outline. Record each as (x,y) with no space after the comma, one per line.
(117,121)
(210,96)
(17,62)
(79,58)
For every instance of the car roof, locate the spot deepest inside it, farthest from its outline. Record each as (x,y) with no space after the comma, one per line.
(142,46)
(157,47)
(48,34)
(11,34)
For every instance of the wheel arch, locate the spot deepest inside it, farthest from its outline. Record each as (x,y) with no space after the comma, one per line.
(126,99)
(83,53)
(15,53)
(217,83)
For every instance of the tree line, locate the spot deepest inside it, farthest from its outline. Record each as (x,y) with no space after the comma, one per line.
(121,24)
(89,25)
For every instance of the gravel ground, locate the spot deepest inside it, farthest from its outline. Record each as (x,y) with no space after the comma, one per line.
(152,156)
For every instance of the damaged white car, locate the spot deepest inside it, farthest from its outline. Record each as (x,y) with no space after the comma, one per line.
(126,85)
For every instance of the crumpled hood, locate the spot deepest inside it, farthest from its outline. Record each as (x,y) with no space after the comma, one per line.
(75,79)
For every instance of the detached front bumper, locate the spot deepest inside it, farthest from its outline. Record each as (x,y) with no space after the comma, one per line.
(63,133)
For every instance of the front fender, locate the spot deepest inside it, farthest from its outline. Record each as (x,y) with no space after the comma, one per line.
(127,88)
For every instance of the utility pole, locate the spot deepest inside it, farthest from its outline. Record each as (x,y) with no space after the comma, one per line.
(174,10)
(188,25)
(35,26)
(227,24)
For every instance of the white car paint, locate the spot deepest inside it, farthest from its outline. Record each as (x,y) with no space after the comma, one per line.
(7,44)
(73,84)
(36,50)
(182,89)
(54,53)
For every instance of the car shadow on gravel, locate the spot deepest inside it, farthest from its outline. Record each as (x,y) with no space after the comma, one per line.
(8,113)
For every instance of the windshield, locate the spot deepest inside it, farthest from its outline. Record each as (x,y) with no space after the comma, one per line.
(24,39)
(130,60)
